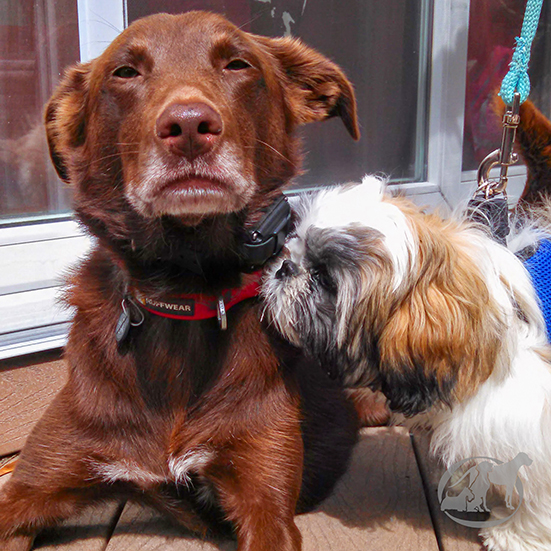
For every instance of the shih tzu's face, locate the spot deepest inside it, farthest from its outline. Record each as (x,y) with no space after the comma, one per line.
(383,296)
(350,250)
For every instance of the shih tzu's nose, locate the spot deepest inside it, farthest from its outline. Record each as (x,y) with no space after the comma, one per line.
(288,269)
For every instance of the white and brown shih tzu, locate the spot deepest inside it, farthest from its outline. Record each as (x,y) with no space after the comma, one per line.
(440,318)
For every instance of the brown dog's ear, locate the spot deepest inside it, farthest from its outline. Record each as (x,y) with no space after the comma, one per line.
(64,117)
(317,87)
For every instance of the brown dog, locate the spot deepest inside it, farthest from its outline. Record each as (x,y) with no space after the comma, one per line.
(533,140)
(176,140)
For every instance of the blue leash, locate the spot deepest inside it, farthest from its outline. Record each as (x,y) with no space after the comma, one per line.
(516,80)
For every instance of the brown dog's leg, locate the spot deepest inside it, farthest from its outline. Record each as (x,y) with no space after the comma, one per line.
(26,509)
(42,492)
(52,479)
(258,483)
(262,521)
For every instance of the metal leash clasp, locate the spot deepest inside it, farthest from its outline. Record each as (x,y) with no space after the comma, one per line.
(503,156)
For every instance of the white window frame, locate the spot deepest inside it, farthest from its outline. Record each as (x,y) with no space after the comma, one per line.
(35,255)
(446,181)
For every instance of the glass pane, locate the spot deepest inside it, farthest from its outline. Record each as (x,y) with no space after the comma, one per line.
(493,26)
(38,38)
(383,48)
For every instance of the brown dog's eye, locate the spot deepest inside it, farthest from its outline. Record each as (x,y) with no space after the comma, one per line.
(237,65)
(126,72)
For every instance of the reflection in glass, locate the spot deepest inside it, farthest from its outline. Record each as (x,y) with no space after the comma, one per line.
(493,26)
(37,40)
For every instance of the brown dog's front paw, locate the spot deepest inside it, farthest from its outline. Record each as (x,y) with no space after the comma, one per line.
(371,407)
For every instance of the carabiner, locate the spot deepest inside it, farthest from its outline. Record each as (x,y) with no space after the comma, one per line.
(503,156)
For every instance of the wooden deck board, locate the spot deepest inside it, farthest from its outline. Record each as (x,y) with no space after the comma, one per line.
(378,504)
(25,393)
(451,535)
(89,532)
(142,528)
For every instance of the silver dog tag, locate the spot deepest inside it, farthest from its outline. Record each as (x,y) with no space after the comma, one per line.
(125,321)
(123,327)
(221,314)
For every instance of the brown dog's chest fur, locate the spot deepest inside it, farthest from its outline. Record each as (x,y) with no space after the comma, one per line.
(181,400)
(173,375)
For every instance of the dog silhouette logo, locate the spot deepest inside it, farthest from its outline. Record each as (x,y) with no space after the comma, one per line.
(463,495)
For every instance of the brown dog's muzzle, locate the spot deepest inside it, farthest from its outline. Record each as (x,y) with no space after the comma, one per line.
(189,129)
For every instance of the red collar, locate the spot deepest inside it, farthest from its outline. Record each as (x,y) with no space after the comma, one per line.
(199,306)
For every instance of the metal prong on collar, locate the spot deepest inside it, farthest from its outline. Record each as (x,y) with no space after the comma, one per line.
(221,314)
(128,302)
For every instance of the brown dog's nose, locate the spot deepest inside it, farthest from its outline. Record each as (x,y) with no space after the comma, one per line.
(189,129)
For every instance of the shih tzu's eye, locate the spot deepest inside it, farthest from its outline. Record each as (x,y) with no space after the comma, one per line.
(321,276)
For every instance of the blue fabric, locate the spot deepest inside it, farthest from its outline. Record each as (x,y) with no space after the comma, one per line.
(539,266)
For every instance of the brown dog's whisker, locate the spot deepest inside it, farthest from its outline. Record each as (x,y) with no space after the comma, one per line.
(276,151)
(261,12)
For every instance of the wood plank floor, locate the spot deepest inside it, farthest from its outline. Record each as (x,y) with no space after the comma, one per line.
(386,501)
(26,390)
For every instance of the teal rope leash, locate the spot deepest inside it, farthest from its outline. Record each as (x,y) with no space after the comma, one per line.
(516,80)
(489,202)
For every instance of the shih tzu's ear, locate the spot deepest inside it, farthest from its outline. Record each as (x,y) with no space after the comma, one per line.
(316,88)
(442,338)
(411,391)
(64,117)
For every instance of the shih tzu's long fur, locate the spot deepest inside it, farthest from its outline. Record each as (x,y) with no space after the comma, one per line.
(440,318)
